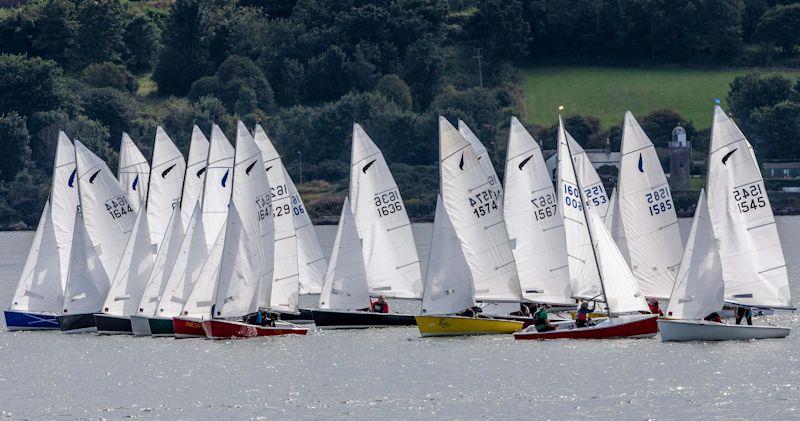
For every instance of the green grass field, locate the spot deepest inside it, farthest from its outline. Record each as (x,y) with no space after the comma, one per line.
(606,93)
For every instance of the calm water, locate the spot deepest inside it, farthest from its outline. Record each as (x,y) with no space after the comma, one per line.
(393,373)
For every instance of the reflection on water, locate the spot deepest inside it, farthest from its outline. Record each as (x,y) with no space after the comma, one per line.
(393,373)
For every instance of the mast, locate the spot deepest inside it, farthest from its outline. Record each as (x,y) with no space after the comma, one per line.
(586,219)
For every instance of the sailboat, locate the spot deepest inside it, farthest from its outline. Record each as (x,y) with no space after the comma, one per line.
(105,223)
(169,247)
(473,202)
(449,288)
(391,262)
(245,279)
(345,289)
(741,252)
(649,223)
(593,255)
(40,292)
(534,222)
(299,262)
(133,273)
(133,172)
(205,223)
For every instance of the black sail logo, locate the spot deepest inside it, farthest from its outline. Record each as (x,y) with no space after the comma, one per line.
(728,155)
(366,167)
(201,171)
(461,162)
(91,179)
(524,161)
(250,167)
(165,172)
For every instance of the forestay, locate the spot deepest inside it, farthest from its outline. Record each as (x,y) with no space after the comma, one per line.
(448,281)
(699,288)
(133,172)
(345,286)
(390,254)
(475,207)
(87,282)
(164,191)
(286,275)
(246,271)
(584,277)
(650,224)
(534,222)
(133,272)
(107,214)
(195,175)
(753,265)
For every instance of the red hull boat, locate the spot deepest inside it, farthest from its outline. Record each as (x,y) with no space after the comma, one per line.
(628,326)
(187,328)
(225,329)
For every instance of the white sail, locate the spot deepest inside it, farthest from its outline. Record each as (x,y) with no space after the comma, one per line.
(390,254)
(310,260)
(595,193)
(699,288)
(285,203)
(87,282)
(195,175)
(534,222)
(345,286)
(475,207)
(130,279)
(753,265)
(481,153)
(133,172)
(39,289)
(166,183)
(448,282)
(200,302)
(204,226)
(622,293)
(64,201)
(162,265)
(614,225)
(246,272)
(648,213)
(585,279)
(107,213)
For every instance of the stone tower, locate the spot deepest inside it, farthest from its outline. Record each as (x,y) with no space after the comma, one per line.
(680,160)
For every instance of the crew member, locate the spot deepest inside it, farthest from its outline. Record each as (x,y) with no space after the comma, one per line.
(540,320)
(380,306)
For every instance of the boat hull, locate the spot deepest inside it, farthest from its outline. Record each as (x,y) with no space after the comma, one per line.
(701,330)
(109,324)
(306,315)
(462,326)
(77,323)
(341,319)
(161,326)
(140,326)
(23,320)
(185,327)
(224,329)
(628,326)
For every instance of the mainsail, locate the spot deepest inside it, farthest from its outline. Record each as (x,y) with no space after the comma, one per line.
(164,190)
(390,254)
(288,206)
(448,282)
(699,288)
(649,222)
(195,175)
(481,153)
(133,172)
(534,221)
(593,188)
(475,207)
(345,286)
(753,265)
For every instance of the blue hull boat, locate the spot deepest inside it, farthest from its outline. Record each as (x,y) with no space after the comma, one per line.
(21,320)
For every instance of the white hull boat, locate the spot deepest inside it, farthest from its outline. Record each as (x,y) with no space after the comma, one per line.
(701,330)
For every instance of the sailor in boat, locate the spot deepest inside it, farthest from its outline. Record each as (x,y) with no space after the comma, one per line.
(713,317)
(582,318)
(473,311)
(380,306)
(540,320)
(524,311)
(743,313)
(654,307)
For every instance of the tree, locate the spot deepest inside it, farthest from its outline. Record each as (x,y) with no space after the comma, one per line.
(396,90)
(141,43)
(779,26)
(499,27)
(15,145)
(57,28)
(101,31)
(183,58)
(237,75)
(659,124)
(28,85)
(776,131)
(108,75)
(113,108)
(753,91)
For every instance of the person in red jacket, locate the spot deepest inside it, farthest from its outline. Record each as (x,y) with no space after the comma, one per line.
(380,306)
(654,307)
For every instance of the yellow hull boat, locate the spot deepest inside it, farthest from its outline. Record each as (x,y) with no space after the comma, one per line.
(460,325)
